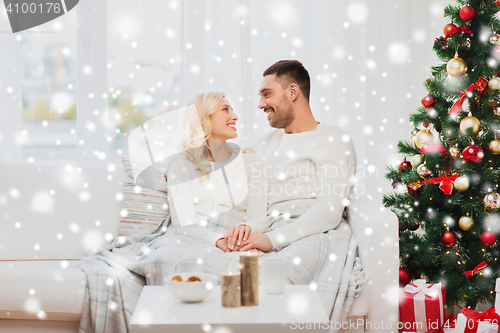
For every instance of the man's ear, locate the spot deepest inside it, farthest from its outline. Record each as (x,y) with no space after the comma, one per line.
(294,92)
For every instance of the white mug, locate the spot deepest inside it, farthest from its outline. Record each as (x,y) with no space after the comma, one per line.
(189,265)
(274,275)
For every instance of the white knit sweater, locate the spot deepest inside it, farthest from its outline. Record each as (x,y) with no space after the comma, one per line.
(234,194)
(310,172)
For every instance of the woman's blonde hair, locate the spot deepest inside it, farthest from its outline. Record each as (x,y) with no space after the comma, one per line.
(198,128)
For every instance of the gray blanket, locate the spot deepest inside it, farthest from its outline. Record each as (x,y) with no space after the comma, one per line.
(117,273)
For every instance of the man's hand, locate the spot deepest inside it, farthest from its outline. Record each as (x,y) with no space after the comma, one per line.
(257,241)
(236,235)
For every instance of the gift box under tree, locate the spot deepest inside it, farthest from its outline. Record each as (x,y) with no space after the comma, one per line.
(470,321)
(422,307)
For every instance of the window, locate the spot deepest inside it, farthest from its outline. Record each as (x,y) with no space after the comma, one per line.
(48,58)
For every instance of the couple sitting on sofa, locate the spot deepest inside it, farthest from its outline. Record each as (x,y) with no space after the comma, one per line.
(284,198)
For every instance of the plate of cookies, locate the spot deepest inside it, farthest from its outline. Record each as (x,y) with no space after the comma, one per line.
(191,287)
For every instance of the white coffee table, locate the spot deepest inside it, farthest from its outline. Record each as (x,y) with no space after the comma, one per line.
(158,310)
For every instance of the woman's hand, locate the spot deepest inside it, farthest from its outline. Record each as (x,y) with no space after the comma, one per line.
(221,244)
(236,235)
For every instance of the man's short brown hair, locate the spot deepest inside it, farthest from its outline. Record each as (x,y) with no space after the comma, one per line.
(291,71)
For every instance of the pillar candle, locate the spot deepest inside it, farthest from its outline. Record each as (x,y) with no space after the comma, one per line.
(230,289)
(249,268)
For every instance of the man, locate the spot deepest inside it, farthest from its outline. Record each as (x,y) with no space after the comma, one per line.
(310,165)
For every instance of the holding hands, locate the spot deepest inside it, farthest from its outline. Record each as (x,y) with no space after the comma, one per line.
(240,238)
(236,235)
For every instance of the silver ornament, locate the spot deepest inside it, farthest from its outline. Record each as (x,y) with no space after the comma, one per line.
(423,171)
(413,133)
(454,152)
(492,200)
(496,111)
(467,42)
(495,39)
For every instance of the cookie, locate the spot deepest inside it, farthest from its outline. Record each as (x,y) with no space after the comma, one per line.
(193,279)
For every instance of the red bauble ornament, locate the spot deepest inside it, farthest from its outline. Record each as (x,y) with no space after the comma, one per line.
(428,101)
(467,13)
(413,226)
(472,154)
(488,238)
(404,277)
(405,166)
(448,29)
(448,238)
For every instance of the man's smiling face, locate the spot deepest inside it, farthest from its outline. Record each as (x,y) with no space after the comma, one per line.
(275,102)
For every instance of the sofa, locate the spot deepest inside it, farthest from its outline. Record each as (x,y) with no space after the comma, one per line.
(57,213)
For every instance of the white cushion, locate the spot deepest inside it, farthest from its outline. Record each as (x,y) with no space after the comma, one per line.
(41,290)
(57,212)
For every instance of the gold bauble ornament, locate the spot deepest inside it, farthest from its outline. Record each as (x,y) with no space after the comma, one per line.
(456,67)
(423,137)
(466,222)
(495,39)
(416,160)
(470,122)
(461,183)
(494,83)
(494,146)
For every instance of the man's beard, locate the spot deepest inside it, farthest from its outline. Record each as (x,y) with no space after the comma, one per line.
(282,115)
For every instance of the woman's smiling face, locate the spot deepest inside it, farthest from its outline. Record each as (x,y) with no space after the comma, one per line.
(223,123)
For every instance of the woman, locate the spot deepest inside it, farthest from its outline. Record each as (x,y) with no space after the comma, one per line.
(217,194)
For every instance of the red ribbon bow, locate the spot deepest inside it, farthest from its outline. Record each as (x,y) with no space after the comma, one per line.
(455,109)
(489,315)
(432,147)
(453,31)
(477,270)
(445,183)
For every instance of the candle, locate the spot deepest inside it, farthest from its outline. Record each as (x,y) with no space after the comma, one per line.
(230,290)
(249,268)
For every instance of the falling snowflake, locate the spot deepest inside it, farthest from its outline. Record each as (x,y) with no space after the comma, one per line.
(14,192)
(357,12)
(42,202)
(399,52)
(74,228)
(92,239)
(298,304)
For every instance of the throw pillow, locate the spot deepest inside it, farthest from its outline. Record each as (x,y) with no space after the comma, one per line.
(144,206)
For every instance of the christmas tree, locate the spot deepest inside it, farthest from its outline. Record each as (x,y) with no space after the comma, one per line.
(446,189)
